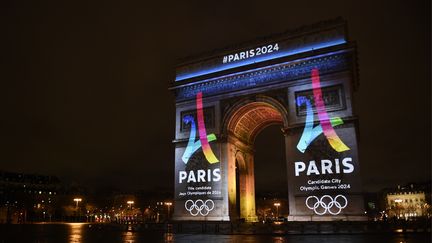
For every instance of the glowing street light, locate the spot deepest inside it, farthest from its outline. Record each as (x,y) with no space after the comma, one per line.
(130,203)
(168,204)
(77,200)
(277,209)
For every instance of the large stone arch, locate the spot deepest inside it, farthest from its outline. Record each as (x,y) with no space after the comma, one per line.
(225,99)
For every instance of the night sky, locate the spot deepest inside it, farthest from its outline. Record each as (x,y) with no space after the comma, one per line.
(84,85)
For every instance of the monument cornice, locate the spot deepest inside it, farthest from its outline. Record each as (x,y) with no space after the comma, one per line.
(289,70)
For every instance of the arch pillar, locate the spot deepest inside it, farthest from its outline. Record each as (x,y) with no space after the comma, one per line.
(241,184)
(241,181)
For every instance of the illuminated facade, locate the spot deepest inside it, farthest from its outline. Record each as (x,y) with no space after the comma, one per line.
(407,204)
(301,80)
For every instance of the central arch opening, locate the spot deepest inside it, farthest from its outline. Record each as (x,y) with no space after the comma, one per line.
(270,174)
(245,122)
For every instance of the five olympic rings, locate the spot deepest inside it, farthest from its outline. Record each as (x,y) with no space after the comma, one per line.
(326,204)
(199,207)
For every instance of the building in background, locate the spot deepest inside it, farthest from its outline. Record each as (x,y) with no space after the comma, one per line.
(408,202)
(24,196)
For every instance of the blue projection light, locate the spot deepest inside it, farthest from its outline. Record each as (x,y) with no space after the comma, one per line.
(262,58)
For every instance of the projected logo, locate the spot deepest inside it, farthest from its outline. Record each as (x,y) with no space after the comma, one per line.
(326,124)
(204,139)
(326,204)
(199,207)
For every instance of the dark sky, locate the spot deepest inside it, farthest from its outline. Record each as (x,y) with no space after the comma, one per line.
(84,85)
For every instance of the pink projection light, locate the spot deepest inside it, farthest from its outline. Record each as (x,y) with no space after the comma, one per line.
(326,125)
(204,139)
(211,158)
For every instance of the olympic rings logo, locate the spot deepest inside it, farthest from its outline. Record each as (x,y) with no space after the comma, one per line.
(326,204)
(199,207)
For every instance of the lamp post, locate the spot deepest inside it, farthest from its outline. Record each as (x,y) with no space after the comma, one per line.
(168,204)
(277,209)
(77,200)
(130,203)
(78,213)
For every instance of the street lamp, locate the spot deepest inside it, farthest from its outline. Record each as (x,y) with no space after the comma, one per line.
(168,205)
(77,200)
(130,203)
(277,209)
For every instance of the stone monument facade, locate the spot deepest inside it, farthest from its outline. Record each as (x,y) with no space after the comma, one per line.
(302,80)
